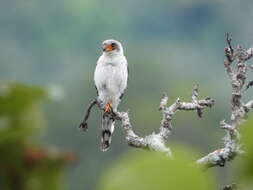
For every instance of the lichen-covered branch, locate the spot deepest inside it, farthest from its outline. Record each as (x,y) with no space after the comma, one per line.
(239,109)
(230,187)
(236,68)
(156,141)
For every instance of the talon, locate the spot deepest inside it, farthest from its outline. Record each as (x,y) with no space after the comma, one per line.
(83,126)
(108,107)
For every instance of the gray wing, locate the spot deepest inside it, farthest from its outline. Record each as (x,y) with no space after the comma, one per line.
(96,89)
(121,96)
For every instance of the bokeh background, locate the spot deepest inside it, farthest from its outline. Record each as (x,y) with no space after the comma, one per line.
(48,53)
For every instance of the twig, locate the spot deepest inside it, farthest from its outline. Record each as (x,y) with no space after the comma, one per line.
(230,50)
(230,187)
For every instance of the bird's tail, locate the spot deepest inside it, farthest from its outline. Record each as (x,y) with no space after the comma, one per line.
(107,130)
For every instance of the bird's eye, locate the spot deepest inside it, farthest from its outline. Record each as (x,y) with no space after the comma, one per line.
(113,44)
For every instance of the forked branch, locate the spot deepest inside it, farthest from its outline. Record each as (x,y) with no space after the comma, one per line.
(157,140)
(239,109)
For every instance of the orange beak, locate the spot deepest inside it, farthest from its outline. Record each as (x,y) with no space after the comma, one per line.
(107,48)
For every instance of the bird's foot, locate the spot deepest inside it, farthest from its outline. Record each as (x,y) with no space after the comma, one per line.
(108,107)
(83,126)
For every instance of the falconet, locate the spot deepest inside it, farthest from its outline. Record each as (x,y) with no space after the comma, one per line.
(111,75)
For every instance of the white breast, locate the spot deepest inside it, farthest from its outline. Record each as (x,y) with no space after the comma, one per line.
(111,79)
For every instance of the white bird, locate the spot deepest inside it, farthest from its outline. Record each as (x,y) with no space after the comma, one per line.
(111,76)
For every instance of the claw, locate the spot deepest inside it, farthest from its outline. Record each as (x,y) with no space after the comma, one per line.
(83,126)
(108,107)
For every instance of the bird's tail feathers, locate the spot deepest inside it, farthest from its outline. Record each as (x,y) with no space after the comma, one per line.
(107,130)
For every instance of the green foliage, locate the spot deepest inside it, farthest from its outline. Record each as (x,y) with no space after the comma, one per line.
(20,113)
(15,98)
(149,171)
(246,163)
(170,45)
(23,163)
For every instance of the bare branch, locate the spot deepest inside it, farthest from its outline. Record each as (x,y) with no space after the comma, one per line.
(250,83)
(249,53)
(239,110)
(231,49)
(156,141)
(163,102)
(248,106)
(229,53)
(230,187)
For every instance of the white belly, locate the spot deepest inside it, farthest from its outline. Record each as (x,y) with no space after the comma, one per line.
(111,81)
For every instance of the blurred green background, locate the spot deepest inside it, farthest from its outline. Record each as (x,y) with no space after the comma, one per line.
(48,53)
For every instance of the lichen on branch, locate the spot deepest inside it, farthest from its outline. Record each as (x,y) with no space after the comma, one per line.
(237,74)
(157,140)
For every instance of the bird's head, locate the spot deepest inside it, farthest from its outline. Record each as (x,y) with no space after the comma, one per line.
(112,47)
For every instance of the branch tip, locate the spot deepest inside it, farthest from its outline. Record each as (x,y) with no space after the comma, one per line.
(164,101)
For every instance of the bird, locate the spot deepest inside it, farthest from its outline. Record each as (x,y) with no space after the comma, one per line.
(110,77)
